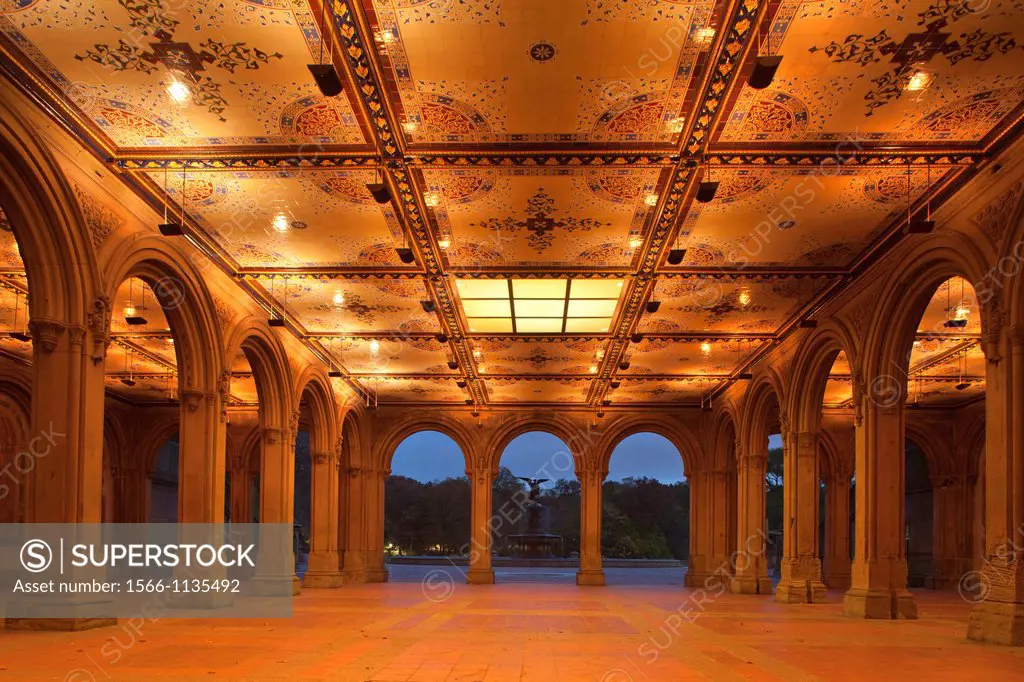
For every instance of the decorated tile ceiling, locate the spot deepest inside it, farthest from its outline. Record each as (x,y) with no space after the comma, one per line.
(537,141)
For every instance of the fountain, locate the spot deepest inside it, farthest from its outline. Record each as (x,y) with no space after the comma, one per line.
(535,543)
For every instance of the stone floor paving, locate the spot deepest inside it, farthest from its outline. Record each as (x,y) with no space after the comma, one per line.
(524,631)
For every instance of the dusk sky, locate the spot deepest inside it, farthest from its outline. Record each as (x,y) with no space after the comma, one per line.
(431,456)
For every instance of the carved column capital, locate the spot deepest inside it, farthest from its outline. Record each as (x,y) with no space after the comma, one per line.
(47,333)
(98,322)
(272,435)
(191,398)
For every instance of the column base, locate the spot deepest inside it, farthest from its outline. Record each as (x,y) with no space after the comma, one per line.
(376,575)
(58,624)
(879,603)
(749,584)
(590,576)
(800,592)
(480,576)
(326,579)
(695,579)
(838,581)
(997,623)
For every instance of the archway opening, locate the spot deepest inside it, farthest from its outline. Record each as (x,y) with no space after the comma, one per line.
(836,455)
(426,506)
(645,512)
(536,508)
(774,503)
(163,484)
(945,415)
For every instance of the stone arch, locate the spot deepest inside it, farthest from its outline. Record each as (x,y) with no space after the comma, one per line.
(814,358)
(905,296)
(269,364)
(932,447)
(49,227)
(677,434)
(182,292)
(315,383)
(156,435)
(570,433)
(764,391)
(452,428)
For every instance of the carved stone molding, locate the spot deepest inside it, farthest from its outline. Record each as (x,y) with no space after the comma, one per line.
(191,398)
(271,436)
(98,322)
(320,458)
(47,333)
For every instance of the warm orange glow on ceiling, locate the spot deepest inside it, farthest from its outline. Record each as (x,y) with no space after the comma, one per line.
(539,306)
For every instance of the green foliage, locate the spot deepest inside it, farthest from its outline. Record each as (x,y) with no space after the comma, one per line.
(642,518)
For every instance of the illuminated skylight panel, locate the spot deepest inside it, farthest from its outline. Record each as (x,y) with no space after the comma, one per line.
(539,306)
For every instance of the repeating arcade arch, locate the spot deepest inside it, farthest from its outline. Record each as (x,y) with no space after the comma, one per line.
(572,434)
(812,366)
(676,433)
(453,428)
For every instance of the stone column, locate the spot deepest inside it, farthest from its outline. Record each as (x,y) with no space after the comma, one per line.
(878,580)
(201,462)
(800,581)
(376,570)
(241,492)
(277,493)
(750,575)
(591,488)
(355,548)
(998,617)
(837,531)
(131,493)
(323,555)
(709,563)
(481,482)
(953,510)
(63,474)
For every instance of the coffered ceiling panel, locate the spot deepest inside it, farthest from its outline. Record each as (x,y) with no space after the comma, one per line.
(363,306)
(546,217)
(538,355)
(921,70)
(716,305)
(519,390)
(432,390)
(154,73)
(687,391)
(392,354)
(482,71)
(797,217)
(289,219)
(661,356)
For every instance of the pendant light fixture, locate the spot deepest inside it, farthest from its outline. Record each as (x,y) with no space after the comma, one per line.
(16,333)
(707,188)
(918,226)
(129,368)
(956,317)
(277,320)
(379,188)
(324,74)
(134,315)
(962,365)
(334,371)
(171,227)
(765,66)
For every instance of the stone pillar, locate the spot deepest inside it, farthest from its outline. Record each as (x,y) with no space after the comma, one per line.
(837,531)
(201,460)
(750,575)
(277,492)
(364,554)
(953,509)
(709,562)
(878,580)
(800,581)
(591,482)
(481,481)
(323,555)
(64,479)
(998,617)
(241,494)
(131,493)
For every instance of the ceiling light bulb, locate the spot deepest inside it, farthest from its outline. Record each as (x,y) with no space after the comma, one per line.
(339,297)
(676,124)
(705,35)
(705,348)
(178,91)
(919,81)
(409,127)
(374,347)
(962,312)
(593,369)
(386,37)
(432,199)
(917,342)
(129,310)
(635,242)
(444,243)
(481,368)
(477,354)
(651,199)
(599,354)
(744,297)
(281,222)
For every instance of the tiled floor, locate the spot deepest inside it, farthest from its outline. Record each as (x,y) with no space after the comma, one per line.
(554,632)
